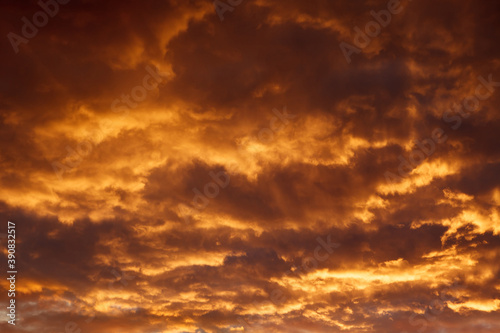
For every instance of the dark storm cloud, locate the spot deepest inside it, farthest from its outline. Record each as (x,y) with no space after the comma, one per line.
(107,247)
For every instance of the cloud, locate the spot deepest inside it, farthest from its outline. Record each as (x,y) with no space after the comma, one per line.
(117,237)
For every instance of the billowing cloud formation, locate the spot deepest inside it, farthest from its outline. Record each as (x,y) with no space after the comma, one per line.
(169,171)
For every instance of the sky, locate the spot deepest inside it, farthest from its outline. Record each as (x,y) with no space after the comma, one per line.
(251,165)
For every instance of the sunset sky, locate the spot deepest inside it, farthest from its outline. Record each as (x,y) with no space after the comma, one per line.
(185,166)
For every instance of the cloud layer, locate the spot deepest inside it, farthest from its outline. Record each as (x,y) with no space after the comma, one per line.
(262,183)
